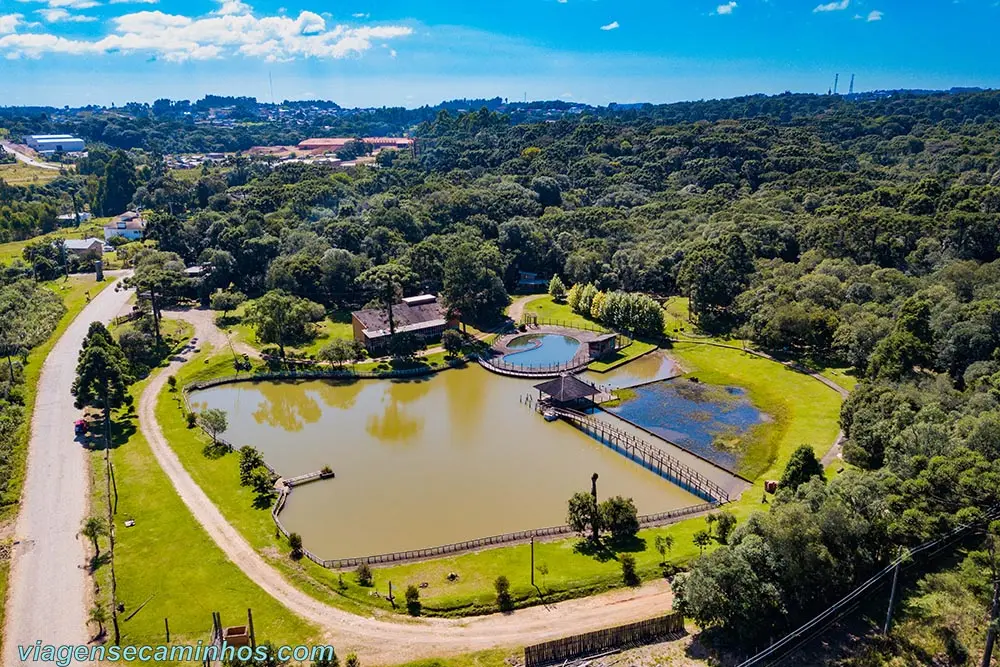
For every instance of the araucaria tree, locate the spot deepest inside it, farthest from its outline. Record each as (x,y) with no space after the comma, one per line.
(102,375)
(158,275)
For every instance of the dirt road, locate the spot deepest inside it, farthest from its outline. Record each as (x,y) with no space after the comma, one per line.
(49,585)
(380,641)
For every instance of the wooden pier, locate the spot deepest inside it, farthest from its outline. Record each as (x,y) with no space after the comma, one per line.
(645,454)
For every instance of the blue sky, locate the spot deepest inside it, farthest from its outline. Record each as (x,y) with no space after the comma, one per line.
(390,52)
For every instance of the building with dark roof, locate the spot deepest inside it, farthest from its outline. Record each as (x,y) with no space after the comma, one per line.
(566,390)
(422,316)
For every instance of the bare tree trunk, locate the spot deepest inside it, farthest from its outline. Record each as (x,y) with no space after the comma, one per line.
(991,632)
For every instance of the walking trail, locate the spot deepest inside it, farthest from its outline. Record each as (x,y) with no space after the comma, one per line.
(49,584)
(381,641)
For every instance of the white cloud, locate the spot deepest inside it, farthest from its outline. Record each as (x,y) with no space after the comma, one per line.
(392,53)
(63,16)
(9,22)
(133,2)
(232,8)
(360,15)
(611,26)
(726,8)
(562,2)
(68,4)
(875,15)
(833,6)
(174,37)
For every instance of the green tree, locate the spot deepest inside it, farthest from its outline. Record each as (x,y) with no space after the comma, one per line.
(713,273)
(801,467)
(226,301)
(99,615)
(280,318)
(102,375)
(413,600)
(214,420)
(337,352)
(364,575)
(117,186)
(664,543)
(620,517)
(584,515)
(472,283)
(250,460)
(295,544)
(262,481)
(557,290)
(452,341)
(158,275)
(93,528)
(725,523)
(504,599)
(387,282)
(702,539)
(629,574)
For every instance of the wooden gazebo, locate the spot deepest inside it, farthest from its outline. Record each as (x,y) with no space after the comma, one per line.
(566,391)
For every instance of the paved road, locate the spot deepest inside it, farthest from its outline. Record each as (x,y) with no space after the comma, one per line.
(27,159)
(379,641)
(49,585)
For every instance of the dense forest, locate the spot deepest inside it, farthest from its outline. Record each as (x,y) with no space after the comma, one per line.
(861,233)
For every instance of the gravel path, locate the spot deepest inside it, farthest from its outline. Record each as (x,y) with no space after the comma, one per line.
(381,641)
(48,597)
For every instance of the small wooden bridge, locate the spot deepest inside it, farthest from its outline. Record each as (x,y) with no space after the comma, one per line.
(645,454)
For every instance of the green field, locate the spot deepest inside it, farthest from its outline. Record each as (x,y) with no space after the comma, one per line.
(22,174)
(93,227)
(200,578)
(336,325)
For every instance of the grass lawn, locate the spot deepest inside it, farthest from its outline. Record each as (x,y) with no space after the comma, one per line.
(621,357)
(546,308)
(19,173)
(15,249)
(166,565)
(494,658)
(336,325)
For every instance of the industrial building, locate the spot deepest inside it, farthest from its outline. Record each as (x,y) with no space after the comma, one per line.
(54,143)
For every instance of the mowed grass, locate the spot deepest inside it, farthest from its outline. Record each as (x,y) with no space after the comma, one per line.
(15,249)
(802,410)
(22,174)
(335,325)
(166,565)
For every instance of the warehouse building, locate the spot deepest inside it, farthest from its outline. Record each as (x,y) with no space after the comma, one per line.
(54,143)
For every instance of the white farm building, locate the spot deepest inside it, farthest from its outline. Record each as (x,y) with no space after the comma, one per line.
(54,143)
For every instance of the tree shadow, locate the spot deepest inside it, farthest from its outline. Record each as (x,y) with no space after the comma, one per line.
(96,562)
(596,550)
(215,451)
(263,501)
(630,544)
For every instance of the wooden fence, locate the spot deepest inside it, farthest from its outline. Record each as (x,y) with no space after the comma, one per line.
(643,453)
(600,641)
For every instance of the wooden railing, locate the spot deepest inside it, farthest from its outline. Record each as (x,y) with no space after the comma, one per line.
(647,455)
(609,639)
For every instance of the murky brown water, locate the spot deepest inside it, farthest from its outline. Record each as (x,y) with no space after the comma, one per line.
(656,365)
(425,462)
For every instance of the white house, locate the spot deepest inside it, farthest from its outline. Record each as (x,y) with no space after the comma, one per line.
(130,225)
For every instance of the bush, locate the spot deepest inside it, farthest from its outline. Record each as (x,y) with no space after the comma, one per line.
(629,575)
(364,575)
(295,542)
(172,382)
(413,600)
(452,341)
(192,419)
(504,599)
(620,517)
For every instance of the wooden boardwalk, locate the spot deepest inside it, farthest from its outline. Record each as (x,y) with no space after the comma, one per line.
(647,455)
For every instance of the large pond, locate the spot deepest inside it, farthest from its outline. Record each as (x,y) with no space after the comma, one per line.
(708,420)
(541,350)
(420,463)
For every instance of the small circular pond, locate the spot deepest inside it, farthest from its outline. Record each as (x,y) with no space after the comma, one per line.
(541,350)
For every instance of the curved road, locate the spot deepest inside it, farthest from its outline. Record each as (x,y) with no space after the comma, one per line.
(27,159)
(48,597)
(381,641)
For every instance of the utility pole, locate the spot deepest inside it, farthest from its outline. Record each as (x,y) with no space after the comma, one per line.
(892,596)
(594,519)
(532,560)
(991,632)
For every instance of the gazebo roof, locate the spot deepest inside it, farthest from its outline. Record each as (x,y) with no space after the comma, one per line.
(566,388)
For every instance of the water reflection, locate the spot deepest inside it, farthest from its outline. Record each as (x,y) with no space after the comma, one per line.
(476,461)
(654,366)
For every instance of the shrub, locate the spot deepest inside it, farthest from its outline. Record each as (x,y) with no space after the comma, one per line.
(364,575)
(192,419)
(413,600)
(172,382)
(620,517)
(504,599)
(629,575)
(295,542)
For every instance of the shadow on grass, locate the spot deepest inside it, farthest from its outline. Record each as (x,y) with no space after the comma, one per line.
(97,562)
(263,501)
(215,451)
